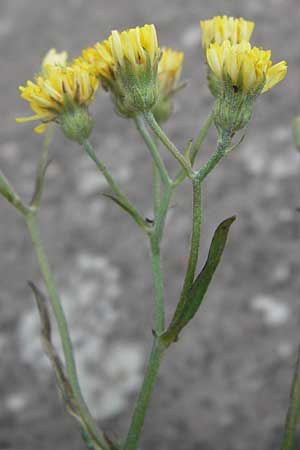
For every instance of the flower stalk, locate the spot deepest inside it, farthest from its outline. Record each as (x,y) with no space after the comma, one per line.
(150,119)
(181,175)
(140,125)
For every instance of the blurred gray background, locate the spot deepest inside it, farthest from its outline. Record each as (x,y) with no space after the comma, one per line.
(226,383)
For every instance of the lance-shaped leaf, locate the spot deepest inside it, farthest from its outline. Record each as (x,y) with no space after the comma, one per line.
(195,295)
(62,381)
(43,166)
(187,150)
(61,378)
(129,209)
(11,196)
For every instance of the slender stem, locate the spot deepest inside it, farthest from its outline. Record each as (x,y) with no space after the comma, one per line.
(162,213)
(293,414)
(156,188)
(194,247)
(159,306)
(150,119)
(144,397)
(62,325)
(143,401)
(196,233)
(196,146)
(91,152)
(102,168)
(55,302)
(140,125)
(155,239)
(224,141)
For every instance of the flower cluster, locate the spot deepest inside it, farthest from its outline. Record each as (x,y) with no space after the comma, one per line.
(237,72)
(60,91)
(141,77)
(247,67)
(127,65)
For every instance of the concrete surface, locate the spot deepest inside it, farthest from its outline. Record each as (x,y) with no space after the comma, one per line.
(226,383)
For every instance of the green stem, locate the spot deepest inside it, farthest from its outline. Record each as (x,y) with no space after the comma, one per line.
(62,326)
(155,238)
(156,188)
(224,141)
(159,306)
(143,401)
(196,232)
(196,146)
(102,168)
(293,414)
(140,125)
(162,213)
(144,397)
(194,247)
(150,119)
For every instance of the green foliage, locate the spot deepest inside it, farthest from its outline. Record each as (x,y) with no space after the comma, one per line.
(194,297)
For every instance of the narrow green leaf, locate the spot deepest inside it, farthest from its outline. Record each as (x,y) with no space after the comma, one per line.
(187,150)
(126,207)
(43,166)
(199,287)
(235,146)
(61,378)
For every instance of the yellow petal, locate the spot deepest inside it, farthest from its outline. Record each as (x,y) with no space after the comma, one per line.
(39,129)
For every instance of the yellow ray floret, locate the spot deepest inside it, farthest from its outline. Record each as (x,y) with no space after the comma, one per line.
(246,66)
(169,70)
(222,28)
(54,58)
(50,93)
(135,45)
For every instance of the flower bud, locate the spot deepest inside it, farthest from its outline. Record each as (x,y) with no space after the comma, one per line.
(240,73)
(127,64)
(76,123)
(219,29)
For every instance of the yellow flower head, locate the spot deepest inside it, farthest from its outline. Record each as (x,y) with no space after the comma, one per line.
(55,91)
(127,64)
(220,29)
(246,67)
(135,46)
(169,70)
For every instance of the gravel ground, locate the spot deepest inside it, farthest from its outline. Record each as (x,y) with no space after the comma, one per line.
(226,383)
